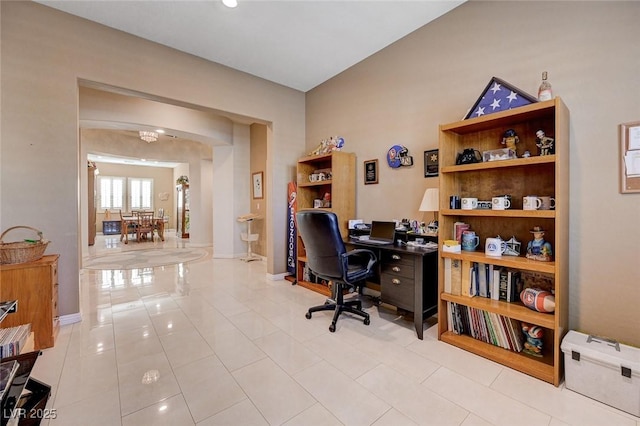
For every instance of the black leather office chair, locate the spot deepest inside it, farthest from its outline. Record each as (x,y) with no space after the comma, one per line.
(328,259)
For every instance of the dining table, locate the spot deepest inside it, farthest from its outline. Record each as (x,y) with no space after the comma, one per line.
(131,221)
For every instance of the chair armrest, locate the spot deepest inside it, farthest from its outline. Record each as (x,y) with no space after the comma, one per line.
(356,252)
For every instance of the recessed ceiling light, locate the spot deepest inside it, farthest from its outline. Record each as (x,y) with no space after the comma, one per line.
(230,3)
(159,131)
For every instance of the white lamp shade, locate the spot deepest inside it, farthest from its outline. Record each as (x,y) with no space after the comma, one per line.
(430,200)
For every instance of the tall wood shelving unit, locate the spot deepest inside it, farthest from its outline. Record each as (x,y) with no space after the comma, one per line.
(182,215)
(538,175)
(342,188)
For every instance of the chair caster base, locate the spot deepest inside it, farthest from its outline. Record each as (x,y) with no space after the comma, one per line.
(332,328)
(367,321)
(308,315)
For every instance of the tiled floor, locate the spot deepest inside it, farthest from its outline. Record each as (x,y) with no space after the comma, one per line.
(214,342)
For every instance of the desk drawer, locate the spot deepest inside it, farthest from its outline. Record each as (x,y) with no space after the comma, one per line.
(396,258)
(398,269)
(398,291)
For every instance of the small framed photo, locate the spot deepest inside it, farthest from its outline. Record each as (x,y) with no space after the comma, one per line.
(431,161)
(257,185)
(370,172)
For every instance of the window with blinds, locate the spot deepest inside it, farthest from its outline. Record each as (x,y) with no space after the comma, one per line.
(110,192)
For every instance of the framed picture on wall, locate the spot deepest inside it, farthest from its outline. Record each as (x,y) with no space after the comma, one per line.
(370,172)
(431,163)
(257,185)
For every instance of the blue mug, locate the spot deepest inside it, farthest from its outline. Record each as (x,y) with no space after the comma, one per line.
(470,240)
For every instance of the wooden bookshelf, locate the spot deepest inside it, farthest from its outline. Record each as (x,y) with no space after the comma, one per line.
(540,175)
(342,188)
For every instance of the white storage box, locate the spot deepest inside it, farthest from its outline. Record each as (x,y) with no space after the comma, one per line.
(602,369)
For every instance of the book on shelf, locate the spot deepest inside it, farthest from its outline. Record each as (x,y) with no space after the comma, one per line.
(538,280)
(447,276)
(495,284)
(466,279)
(489,327)
(13,339)
(456,277)
(458,229)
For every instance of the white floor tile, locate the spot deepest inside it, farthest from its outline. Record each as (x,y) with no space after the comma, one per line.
(411,399)
(243,413)
(561,403)
(287,352)
(208,387)
(169,412)
(315,415)
(275,393)
(349,401)
(228,346)
(484,402)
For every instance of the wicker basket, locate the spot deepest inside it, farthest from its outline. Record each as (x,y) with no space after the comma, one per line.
(22,251)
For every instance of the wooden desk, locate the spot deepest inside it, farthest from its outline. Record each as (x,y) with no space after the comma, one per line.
(408,278)
(132,220)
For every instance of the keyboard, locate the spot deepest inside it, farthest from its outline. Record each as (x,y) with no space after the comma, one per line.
(376,242)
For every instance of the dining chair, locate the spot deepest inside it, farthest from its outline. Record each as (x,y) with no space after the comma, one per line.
(145,226)
(126,227)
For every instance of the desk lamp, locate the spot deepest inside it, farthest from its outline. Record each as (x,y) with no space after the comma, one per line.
(430,203)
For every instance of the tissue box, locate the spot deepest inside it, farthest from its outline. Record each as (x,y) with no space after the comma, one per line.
(498,154)
(602,369)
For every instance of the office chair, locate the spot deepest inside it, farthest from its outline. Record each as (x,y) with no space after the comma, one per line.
(328,259)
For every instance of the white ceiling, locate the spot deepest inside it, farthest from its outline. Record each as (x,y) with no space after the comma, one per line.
(296,43)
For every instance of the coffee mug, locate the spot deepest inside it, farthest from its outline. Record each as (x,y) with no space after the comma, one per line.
(531,202)
(494,247)
(454,202)
(548,203)
(313,177)
(469,203)
(500,203)
(470,240)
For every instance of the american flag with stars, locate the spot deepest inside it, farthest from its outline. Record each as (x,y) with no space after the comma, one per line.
(499,96)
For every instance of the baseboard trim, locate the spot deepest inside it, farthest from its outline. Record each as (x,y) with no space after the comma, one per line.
(70,319)
(277,277)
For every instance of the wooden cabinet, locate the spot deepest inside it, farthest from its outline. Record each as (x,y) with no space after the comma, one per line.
(182,225)
(334,183)
(546,175)
(35,286)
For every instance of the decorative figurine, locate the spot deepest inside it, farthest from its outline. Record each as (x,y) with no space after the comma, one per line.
(538,248)
(513,247)
(526,154)
(510,139)
(545,144)
(533,344)
(326,200)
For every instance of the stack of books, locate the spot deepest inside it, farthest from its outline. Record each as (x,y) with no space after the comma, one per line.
(486,326)
(13,339)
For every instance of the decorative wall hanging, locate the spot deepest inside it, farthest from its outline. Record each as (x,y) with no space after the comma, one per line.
(398,156)
(256,178)
(499,96)
(370,172)
(630,157)
(431,163)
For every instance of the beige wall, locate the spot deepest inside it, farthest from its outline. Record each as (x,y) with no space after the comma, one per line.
(433,76)
(258,164)
(45,53)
